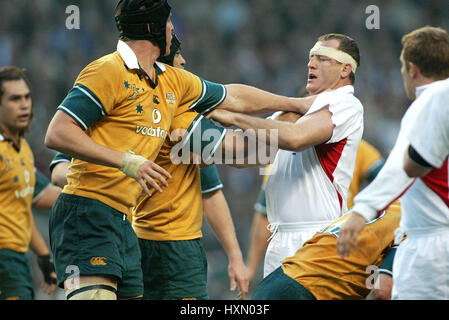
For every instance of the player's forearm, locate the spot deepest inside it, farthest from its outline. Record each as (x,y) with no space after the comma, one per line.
(59,174)
(48,198)
(66,136)
(258,242)
(242,150)
(308,131)
(218,216)
(251,100)
(37,242)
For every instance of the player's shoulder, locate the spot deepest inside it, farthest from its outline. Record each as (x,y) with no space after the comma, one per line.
(175,73)
(436,94)
(343,94)
(105,66)
(440,86)
(342,99)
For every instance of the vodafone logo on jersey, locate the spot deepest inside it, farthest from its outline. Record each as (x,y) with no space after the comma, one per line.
(157,116)
(156,132)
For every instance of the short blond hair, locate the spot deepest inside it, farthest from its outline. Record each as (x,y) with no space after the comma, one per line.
(428,49)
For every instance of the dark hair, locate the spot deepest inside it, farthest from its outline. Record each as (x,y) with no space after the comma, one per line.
(428,49)
(12,73)
(346,44)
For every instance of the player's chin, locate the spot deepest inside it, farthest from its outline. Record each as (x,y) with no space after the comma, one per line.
(311,88)
(22,125)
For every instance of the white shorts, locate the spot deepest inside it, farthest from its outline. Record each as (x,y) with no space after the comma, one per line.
(421,267)
(284,244)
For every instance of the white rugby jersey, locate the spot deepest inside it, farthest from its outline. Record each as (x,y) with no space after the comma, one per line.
(425,202)
(311,186)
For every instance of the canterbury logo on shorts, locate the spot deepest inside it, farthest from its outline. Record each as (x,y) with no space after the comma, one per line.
(98,261)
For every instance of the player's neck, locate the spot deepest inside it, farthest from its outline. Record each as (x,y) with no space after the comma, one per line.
(422,81)
(342,83)
(8,134)
(146,53)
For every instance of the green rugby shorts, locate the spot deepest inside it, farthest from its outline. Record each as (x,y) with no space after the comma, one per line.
(87,237)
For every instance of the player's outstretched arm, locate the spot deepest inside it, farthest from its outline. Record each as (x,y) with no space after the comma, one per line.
(312,129)
(66,136)
(218,216)
(250,100)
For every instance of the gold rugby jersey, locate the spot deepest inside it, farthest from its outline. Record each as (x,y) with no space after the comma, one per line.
(367,163)
(118,106)
(318,268)
(177,213)
(17,181)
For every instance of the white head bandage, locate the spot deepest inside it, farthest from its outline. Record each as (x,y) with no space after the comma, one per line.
(333,53)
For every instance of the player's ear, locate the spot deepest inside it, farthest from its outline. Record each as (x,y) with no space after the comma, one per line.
(347,69)
(413,70)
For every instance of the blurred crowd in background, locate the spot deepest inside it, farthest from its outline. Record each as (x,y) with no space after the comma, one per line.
(264,43)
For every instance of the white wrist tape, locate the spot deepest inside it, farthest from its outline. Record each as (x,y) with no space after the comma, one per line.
(131,164)
(334,53)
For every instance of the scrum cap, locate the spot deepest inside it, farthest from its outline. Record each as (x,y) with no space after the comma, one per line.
(143,20)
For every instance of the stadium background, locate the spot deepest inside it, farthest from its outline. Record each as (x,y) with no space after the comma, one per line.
(264,43)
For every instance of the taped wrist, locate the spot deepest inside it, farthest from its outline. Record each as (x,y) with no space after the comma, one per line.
(46,265)
(131,164)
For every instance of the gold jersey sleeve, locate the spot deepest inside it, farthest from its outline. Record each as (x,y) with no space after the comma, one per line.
(99,79)
(17,182)
(318,267)
(366,156)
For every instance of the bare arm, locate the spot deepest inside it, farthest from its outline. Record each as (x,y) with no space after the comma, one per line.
(37,243)
(66,136)
(258,242)
(244,148)
(218,216)
(48,197)
(39,247)
(59,173)
(309,130)
(250,100)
